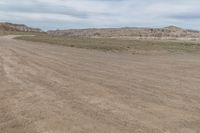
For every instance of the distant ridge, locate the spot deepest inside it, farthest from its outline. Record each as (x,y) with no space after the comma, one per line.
(172,27)
(17,27)
(169,32)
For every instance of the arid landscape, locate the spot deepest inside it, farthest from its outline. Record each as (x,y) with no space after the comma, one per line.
(61,83)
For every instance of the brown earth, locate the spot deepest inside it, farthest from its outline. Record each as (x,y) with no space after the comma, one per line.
(56,89)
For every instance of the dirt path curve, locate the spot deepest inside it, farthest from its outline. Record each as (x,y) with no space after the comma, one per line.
(55,89)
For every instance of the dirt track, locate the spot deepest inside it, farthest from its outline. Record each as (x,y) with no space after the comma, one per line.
(56,89)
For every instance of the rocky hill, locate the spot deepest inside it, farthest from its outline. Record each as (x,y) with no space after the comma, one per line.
(170,32)
(17,27)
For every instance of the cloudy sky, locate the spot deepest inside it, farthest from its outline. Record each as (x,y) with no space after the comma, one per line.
(59,14)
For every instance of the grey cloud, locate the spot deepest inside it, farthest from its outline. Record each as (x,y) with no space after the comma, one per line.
(100,13)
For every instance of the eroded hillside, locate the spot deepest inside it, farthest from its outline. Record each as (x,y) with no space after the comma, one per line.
(17,27)
(170,32)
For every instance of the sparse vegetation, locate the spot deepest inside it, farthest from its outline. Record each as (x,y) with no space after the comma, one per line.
(133,46)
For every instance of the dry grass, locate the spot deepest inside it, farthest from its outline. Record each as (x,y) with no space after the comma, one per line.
(106,44)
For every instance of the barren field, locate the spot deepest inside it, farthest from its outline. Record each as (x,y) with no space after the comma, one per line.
(56,89)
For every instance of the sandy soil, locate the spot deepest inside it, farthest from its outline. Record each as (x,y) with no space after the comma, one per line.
(55,89)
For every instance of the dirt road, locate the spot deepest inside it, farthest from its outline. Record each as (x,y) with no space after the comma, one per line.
(55,89)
